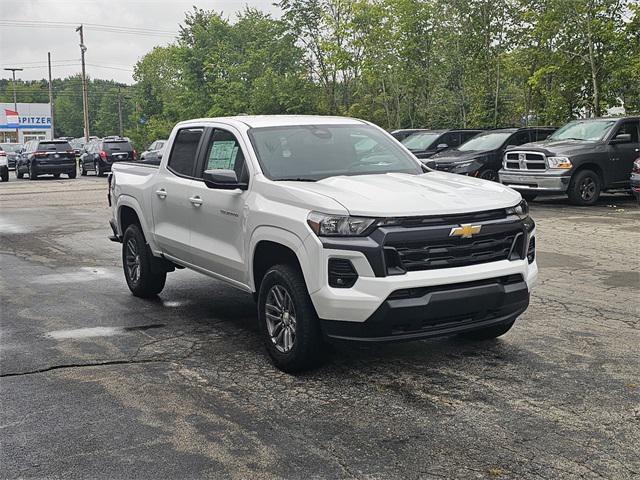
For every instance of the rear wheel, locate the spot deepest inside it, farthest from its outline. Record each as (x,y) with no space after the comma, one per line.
(488,333)
(32,173)
(72,174)
(56,175)
(287,320)
(584,188)
(5,175)
(83,171)
(137,262)
(98,169)
(18,174)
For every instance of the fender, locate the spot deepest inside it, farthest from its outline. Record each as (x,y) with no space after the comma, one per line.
(129,201)
(285,238)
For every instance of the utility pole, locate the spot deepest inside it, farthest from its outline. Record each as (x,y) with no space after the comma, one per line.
(53,125)
(15,98)
(85,101)
(119,110)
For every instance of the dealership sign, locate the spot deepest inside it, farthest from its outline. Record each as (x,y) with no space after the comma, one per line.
(27,116)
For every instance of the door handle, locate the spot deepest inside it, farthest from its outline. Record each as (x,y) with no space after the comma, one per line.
(195,201)
(162,193)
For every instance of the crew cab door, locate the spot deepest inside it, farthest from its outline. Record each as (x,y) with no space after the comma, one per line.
(623,153)
(218,227)
(173,208)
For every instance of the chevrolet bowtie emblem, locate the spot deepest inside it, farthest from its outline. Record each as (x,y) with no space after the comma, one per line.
(465,231)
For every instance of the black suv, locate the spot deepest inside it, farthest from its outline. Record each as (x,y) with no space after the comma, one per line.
(581,159)
(427,143)
(41,157)
(482,155)
(100,154)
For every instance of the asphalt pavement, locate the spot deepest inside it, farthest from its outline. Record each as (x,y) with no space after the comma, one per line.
(95,383)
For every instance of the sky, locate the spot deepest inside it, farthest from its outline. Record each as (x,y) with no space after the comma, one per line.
(31,28)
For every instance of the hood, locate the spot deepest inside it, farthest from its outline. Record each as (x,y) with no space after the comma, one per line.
(455,155)
(560,147)
(400,195)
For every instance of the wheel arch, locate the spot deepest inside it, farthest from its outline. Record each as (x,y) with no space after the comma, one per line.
(128,212)
(597,169)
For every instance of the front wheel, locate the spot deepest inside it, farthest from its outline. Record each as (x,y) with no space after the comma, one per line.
(488,174)
(137,262)
(489,332)
(584,188)
(287,320)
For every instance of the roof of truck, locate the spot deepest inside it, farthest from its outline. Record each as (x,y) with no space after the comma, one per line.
(256,121)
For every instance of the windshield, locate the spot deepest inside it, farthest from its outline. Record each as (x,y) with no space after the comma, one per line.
(485,141)
(420,141)
(10,147)
(54,146)
(309,152)
(591,130)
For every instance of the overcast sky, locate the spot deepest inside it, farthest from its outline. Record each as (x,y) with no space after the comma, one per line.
(25,41)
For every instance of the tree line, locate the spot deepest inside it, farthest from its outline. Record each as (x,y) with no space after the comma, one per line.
(397,63)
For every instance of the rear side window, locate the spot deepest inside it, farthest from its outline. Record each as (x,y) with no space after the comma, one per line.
(117,146)
(54,146)
(452,139)
(183,154)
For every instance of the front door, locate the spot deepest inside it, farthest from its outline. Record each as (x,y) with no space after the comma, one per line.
(173,211)
(218,228)
(622,155)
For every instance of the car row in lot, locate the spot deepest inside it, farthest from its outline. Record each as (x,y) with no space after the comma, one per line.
(581,159)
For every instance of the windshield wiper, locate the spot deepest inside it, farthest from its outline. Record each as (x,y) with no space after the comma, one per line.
(295,180)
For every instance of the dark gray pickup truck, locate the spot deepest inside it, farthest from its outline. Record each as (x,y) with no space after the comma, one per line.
(581,159)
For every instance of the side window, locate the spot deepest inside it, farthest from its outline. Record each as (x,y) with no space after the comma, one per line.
(452,139)
(542,134)
(629,127)
(224,153)
(183,153)
(520,138)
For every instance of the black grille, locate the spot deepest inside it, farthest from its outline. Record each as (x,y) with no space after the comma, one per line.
(341,273)
(531,251)
(532,161)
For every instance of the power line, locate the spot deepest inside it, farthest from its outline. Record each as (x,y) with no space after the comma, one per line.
(101,25)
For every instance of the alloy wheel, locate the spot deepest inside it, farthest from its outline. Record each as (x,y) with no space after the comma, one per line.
(281,318)
(132,259)
(588,189)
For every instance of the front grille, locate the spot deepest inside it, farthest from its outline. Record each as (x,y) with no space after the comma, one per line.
(515,160)
(420,244)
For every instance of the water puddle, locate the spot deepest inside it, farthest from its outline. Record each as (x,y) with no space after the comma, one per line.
(89,332)
(85,274)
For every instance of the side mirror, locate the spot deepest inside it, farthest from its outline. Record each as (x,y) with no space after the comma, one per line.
(621,138)
(159,155)
(442,146)
(222,180)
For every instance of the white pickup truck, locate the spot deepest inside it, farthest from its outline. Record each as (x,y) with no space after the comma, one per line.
(337,229)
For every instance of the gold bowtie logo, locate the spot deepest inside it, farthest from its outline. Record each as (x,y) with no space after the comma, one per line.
(465,231)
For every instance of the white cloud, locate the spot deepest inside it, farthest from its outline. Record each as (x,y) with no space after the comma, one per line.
(114,53)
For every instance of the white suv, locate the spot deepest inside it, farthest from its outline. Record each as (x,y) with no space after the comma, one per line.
(338,230)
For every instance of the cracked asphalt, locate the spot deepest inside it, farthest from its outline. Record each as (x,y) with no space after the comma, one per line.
(95,383)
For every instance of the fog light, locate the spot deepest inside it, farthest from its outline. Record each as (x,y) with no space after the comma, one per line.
(341,273)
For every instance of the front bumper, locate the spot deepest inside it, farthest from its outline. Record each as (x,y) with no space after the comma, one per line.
(536,182)
(436,311)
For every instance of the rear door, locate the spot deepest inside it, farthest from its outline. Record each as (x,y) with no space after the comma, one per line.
(173,211)
(217,234)
(622,155)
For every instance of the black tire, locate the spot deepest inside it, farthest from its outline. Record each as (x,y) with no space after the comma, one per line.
(72,174)
(489,174)
(83,171)
(5,175)
(146,283)
(529,197)
(306,352)
(584,188)
(98,169)
(32,174)
(489,332)
(18,174)
(56,175)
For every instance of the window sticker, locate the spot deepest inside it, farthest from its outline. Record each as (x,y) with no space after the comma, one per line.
(222,155)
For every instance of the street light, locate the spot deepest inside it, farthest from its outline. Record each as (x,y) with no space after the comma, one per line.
(15,98)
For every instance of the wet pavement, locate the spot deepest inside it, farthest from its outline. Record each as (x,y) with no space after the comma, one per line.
(95,383)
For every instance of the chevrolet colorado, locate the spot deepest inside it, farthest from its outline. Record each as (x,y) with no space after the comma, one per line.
(334,226)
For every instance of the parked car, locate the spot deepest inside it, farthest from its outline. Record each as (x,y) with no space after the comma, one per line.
(11,151)
(4,166)
(101,154)
(427,143)
(482,155)
(41,157)
(405,132)
(78,146)
(335,241)
(581,159)
(153,154)
(635,179)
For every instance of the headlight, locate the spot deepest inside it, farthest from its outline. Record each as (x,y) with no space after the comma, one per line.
(559,162)
(521,210)
(325,225)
